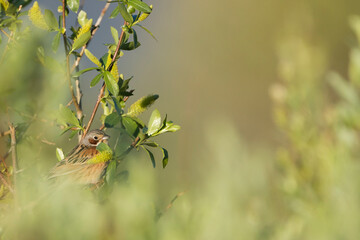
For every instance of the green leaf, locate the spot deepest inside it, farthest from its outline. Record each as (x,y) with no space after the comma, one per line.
(167,127)
(59,154)
(55,42)
(138,121)
(124,13)
(150,144)
(151,155)
(96,80)
(135,38)
(77,74)
(129,46)
(68,116)
(343,88)
(154,122)
(165,159)
(131,126)
(115,12)
(81,41)
(115,34)
(139,5)
(111,83)
(103,147)
(82,18)
(141,105)
(125,84)
(73,5)
(51,20)
(73,133)
(92,58)
(142,17)
(112,119)
(111,172)
(117,105)
(148,31)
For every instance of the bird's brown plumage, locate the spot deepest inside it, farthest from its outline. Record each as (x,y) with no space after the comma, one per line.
(76,166)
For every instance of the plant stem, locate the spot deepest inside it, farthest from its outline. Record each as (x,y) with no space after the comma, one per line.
(3,180)
(79,112)
(96,26)
(103,86)
(13,152)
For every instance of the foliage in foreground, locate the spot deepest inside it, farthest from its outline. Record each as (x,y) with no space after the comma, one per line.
(113,94)
(311,191)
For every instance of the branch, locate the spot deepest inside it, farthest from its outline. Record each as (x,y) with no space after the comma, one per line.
(13,152)
(103,86)
(75,102)
(96,26)
(170,204)
(2,134)
(3,180)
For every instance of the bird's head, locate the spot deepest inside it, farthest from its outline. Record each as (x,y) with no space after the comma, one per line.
(94,137)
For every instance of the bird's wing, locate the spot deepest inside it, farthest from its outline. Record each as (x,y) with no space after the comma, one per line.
(63,168)
(81,154)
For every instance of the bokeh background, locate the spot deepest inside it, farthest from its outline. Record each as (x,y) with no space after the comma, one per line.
(267,150)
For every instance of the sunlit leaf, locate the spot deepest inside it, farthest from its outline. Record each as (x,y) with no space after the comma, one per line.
(56,41)
(5,4)
(82,18)
(68,116)
(111,172)
(139,5)
(165,159)
(92,58)
(96,80)
(154,122)
(77,74)
(115,34)
(151,155)
(73,5)
(103,147)
(124,13)
(112,119)
(51,20)
(115,12)
(36,17)
(130,126)
(148,31)
(111,83)
(59,154)
(141,105)
(81,41)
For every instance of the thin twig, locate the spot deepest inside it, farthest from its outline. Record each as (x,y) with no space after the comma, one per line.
(170,204)
(96,26)
(6,34)
(3,180)
(13,152)
(2,134)
(76,104)
(103,86)
(6,48)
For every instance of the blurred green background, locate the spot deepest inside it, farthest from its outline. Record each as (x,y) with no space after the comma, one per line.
(269,143)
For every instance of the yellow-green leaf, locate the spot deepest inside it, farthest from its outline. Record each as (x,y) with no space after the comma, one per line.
(92,58)
(143,16)
(36,17)
(5,4)
(141,105)
(84,29)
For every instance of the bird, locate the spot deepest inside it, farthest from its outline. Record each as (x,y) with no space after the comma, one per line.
(84,164)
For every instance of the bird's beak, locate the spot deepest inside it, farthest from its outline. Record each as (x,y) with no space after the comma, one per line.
(105,138)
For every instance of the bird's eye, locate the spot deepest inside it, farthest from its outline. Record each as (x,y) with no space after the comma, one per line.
(95,138)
